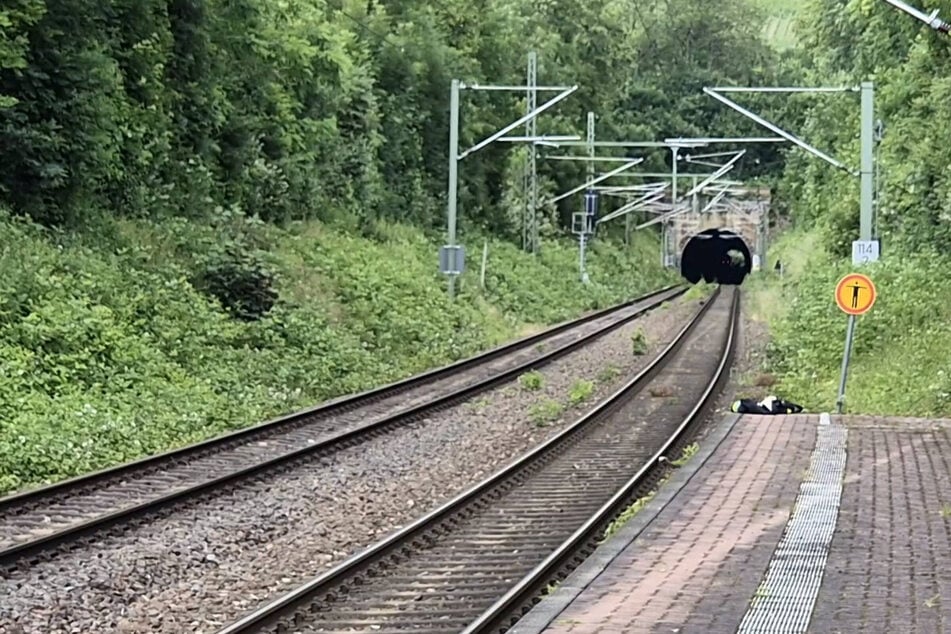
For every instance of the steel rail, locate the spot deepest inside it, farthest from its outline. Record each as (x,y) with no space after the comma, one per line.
(72,532)
(502,614)
(327,408)
(289,603)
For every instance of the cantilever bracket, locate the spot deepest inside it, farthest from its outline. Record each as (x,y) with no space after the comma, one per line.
(715,93)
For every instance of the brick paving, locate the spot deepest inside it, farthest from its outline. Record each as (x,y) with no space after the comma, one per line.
(698,563)
(695,565)
(889,567)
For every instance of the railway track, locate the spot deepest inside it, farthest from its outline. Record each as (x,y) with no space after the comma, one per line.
(35,524)
(478,562)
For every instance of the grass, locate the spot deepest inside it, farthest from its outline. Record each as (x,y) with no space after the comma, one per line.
(688,452)
(545,412)
(580,391)
(608,373)
(532,380)
(638,342)
(627,515)
(111,350)
(630,512)
(701,290)
(480,403)
(889,373)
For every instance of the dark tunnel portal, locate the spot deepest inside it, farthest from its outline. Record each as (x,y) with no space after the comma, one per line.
(708,256)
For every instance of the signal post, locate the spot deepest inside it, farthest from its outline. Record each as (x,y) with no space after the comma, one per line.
(855,293)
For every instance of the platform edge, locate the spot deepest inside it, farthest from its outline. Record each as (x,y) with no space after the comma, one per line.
(551,607)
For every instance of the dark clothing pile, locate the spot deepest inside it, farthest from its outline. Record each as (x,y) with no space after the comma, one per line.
(769,405)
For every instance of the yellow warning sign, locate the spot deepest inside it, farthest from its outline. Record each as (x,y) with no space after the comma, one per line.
(855,294)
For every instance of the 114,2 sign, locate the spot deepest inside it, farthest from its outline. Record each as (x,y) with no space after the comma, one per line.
(865,251)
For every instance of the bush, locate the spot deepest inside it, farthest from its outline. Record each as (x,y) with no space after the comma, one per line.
(109,352)
(239,280)
(899,361)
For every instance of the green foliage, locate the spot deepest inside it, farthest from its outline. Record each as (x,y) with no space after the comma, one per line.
(111,351)
(779,28)
(532,380)
(688,452)
(302,109)
(899,365)
(858,41)
(546,411)
(240,282)
(628,514)
(699,291)
(15,19)
(580,391)
(638,342)
(608,373)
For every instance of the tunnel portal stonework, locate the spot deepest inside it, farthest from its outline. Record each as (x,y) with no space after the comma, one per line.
(747,216)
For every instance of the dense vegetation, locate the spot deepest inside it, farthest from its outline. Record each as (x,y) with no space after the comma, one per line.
(214,212)
(121,355)
(902,364)
(304,109)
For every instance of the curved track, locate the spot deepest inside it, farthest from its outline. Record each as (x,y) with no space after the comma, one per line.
(480,560)
(36,521)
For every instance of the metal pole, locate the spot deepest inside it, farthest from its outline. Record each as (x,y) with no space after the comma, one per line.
(453,170)
(590,146)
(485,260)
(598,179)
(931,20)
(581,240)
(526,185)
(696,196)
(531,129)
(504,131)
(868,160)
(849,335)
(673,201)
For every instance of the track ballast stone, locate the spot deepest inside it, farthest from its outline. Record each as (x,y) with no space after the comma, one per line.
(212,561)
(56,510)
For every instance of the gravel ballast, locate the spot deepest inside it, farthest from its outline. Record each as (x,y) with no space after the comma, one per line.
(212,561)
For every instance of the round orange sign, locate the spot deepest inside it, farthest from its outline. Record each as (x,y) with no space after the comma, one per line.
(855,294)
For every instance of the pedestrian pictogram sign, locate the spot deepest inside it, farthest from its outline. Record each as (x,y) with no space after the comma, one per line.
(855,294)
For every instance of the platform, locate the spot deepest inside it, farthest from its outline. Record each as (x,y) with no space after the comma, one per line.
(779,524)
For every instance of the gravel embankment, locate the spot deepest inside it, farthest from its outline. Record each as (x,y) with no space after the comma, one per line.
(140,485)
(213,561)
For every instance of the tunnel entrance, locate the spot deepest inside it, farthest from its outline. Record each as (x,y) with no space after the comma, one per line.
(716,255)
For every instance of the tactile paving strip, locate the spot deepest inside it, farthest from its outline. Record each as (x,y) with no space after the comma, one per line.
(784,602)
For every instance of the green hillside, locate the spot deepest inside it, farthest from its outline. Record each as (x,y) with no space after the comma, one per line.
(211,213)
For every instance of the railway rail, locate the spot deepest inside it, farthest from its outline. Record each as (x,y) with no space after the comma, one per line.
(34,523)
(478,562)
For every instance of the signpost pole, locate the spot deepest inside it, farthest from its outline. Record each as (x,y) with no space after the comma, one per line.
(675,150)
(588,203)
(849,336)
(581,241)
(855,293)
(867,185)
(453,171)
